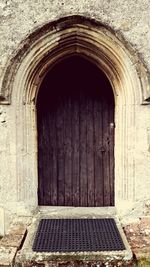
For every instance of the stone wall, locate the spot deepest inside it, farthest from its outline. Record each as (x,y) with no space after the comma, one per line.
(130,23)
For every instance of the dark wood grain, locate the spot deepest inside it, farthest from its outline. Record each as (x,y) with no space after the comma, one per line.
(53,160)
(67,153)
(106,154)
(40,161)
(75,109)
(90,154)
(60,154)
(98,156)
(75,154)
(111,152)
(83,152)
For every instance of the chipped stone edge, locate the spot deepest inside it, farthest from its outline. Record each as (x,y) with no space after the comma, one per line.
(2,221)
(27,255)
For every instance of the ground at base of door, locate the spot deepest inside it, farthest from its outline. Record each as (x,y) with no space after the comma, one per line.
(137,236)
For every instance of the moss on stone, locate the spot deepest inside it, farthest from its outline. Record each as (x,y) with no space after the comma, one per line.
(143,262)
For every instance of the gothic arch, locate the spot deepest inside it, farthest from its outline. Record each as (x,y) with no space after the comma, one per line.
(40,51)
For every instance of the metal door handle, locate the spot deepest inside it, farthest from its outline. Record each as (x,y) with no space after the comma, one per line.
(102,149)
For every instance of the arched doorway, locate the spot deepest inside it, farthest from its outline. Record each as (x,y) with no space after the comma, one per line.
(75,122)
(20,86)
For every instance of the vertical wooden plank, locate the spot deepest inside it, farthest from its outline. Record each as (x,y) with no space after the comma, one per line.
(83,152)
(67,166)
(90,153)
(111,151)
(75,153)
(40,161)
(98,159)
(60,153)
(106,156)
(67,152)
(47,154)
(53,159)
(44,159)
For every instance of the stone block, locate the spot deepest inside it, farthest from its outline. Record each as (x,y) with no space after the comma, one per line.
(28,265)
(35,265)
(147,208)
(138,237)
(145,221)
(1,221)
(65,264)
(145,227)
(52,264)
(17,229)
(7,255)
(11,240)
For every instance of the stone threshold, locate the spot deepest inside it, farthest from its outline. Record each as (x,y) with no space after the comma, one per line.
(12,242)
(26,256)
(14,252)
(75,212)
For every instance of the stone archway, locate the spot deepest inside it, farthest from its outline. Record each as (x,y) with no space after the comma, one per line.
(39,52)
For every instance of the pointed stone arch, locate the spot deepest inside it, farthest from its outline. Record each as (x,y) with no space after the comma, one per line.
(22,79)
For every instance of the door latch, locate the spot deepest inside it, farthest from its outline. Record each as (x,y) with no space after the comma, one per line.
(102,149)
(112,125)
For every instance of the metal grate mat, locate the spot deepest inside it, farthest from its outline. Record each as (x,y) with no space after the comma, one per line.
(77,235)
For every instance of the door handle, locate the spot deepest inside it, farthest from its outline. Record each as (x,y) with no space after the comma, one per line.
(112,125)
(102,149)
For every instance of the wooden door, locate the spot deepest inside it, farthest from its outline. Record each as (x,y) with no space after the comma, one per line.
(75,122)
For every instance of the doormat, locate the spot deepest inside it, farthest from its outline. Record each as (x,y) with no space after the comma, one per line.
(77,235)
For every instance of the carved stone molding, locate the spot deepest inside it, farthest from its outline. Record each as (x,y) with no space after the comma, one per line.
(70,35)
(37,55)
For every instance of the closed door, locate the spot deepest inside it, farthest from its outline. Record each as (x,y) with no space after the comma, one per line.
(75,123)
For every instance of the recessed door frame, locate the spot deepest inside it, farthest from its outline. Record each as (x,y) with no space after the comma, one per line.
(75,124)
(22,79)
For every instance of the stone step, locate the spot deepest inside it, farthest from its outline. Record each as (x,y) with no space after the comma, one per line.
(26,257)
(14,252)
(77,264)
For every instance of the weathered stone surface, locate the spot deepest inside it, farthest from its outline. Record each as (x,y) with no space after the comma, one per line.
(138,236)
(78,264)
(1,221)
(11,243)
(147,208)
(18,229)
(15,236)
(7,255)
(130,23)
(11,240)
(34,265)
